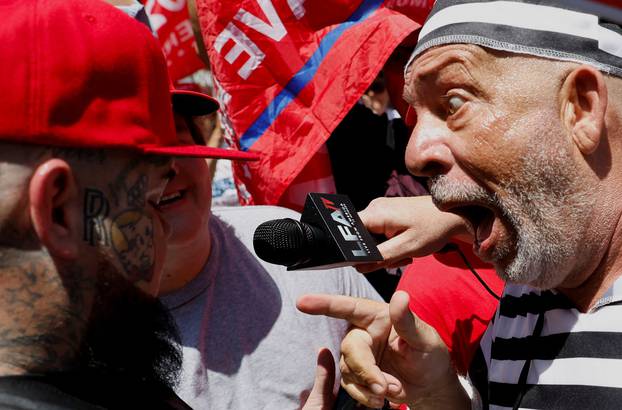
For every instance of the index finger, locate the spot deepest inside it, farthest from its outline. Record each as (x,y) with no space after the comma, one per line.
(359,312)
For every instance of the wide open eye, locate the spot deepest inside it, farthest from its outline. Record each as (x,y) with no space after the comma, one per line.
(454,103)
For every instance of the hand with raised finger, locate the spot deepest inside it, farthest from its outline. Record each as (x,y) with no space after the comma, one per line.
(414,228)
(322,396)
(361,376)
(362,346)
(389,353)
(419,363)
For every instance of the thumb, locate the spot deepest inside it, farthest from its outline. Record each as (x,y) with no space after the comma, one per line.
(415,332)
(322,396)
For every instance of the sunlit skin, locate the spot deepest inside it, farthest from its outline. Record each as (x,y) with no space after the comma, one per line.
(157,173)
(537,143)
(482,115)
(132,187)
(67,234)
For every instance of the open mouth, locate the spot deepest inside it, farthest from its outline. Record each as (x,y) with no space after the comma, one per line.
(171,198)
(479,217)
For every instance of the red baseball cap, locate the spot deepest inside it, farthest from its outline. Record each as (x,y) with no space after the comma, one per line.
(194,103)
(80,73)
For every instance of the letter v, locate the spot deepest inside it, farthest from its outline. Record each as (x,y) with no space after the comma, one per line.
(275,30)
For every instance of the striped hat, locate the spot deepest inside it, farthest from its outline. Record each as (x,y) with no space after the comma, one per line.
(555,29)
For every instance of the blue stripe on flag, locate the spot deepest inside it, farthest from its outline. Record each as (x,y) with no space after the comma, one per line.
(305,75)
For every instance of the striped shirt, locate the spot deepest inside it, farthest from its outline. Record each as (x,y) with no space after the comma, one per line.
(539,352)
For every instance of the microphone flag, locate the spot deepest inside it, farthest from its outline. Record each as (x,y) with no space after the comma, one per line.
(287,72)
(337,217)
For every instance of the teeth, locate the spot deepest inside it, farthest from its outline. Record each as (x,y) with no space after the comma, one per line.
(171,197)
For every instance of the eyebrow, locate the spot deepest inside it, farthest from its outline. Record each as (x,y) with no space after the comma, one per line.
(433,67)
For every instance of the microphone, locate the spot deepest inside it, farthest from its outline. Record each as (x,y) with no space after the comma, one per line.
(329,234)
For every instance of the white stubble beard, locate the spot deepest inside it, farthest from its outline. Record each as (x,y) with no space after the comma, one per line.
(546,203)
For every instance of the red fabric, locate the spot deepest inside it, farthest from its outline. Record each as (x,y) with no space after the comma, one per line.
(187,100)
(613,3)
(611,10)
(171,20)
(283,120)
(80,73)
(445,294)
(316,176)
(416,10)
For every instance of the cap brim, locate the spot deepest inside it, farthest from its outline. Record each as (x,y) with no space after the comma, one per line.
(192,103)
(201,151)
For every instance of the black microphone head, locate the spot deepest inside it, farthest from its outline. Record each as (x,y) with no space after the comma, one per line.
(285,241)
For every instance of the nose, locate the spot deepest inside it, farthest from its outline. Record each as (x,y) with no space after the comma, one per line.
(427,153)
(174,169)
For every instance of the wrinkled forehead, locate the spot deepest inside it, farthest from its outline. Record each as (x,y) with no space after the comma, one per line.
(469,56)
(451,64)
(553,29)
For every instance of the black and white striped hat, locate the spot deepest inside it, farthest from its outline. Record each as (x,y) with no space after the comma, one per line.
(556,29)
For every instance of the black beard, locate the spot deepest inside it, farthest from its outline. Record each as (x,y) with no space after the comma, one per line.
(131,336)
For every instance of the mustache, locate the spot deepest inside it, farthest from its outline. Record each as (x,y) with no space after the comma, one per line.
(444,191)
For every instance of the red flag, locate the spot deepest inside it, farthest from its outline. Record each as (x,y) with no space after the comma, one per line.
(417,10)
(171,21)
(288,72)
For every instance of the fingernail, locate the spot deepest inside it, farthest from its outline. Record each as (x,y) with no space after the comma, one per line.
(376,388)
(393,388)
(376,403)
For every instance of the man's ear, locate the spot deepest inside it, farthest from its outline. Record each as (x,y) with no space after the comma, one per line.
(54,208)
(584,104)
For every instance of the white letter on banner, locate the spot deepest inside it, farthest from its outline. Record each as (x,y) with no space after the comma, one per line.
(275,30)
(158,20)
(242,44)
(172,5)
(298,8)
(184,29)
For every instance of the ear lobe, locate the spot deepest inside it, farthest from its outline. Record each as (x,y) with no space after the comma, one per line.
(54,208)
(584,105)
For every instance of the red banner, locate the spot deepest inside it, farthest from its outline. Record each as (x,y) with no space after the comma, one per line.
(417,10)
(171,21)
(288,71)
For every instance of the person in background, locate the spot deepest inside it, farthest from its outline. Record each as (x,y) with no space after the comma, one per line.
(243,340)
(186,206)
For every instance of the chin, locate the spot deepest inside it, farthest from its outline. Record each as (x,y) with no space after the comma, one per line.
(187,227)
(535,272)
(183,237)
(188,234)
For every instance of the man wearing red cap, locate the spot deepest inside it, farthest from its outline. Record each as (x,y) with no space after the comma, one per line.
(85,131)
(236,314)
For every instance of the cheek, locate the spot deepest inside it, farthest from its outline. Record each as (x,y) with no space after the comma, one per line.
(203,184)
(133,238)
(494,148)
(159,246)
